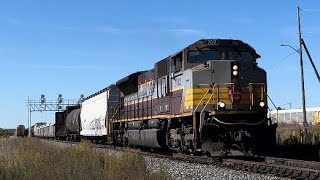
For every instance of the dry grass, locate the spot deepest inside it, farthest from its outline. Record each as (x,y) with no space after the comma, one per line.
(3,134)
(27,158)
(293,134)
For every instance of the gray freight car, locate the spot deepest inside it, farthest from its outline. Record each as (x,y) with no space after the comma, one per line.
(48,131)
(67,123)
(73,124)
(37,129)
(20,131)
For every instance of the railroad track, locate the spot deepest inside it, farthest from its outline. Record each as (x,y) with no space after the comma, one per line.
(290,168)
(281,167)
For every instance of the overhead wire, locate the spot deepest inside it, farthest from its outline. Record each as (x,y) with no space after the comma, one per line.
(305,10)
(279,61)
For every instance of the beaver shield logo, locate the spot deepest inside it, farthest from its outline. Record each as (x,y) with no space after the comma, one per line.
(235,95)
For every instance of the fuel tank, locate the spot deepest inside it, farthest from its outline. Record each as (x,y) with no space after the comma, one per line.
(153,138)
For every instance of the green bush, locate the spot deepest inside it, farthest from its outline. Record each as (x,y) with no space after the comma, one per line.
(28,158)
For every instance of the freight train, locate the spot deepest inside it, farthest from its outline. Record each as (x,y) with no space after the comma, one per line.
(209,97)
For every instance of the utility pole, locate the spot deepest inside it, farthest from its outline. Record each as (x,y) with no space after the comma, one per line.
(29,119)
(290,105)
(305,123)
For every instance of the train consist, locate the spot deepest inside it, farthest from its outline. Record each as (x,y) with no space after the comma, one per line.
(209,97)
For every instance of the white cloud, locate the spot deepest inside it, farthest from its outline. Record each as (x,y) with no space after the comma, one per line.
(64,27)
(244,20)
(186,31)
(73,67)
(169,20)
(110,29)
(176,31)
(311,30)
(62,67)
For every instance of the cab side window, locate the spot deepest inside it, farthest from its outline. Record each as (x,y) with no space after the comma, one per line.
(176,63)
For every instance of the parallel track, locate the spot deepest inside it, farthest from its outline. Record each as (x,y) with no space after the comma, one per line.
(281,167)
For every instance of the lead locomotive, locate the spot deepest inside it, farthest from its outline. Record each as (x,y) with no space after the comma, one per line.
(208,97)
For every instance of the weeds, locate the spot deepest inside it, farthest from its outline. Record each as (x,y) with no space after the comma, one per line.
(28,158)
(293,133)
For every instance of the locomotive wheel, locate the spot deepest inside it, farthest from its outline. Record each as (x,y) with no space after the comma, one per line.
(206,154)
(194,152)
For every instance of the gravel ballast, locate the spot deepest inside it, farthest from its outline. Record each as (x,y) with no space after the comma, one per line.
(185,170)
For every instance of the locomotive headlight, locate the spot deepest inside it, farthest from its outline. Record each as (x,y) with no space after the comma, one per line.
(262,104)
(235,67)
(222,104)
(235,73)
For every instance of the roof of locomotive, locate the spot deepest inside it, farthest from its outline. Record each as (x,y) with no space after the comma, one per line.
(222,43)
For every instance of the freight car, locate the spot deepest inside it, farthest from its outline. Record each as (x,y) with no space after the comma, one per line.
(209,97)
(295,115)
(48,130)
(44,130)
(67,124)
(20,131)
(37,132)
(96,114)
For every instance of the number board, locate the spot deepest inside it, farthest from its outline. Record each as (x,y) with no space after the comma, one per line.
(214,42)
(219,42)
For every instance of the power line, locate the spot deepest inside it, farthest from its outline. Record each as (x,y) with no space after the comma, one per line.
(280,61)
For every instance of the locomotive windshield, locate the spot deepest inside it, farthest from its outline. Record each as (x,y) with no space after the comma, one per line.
(203,56)
(237,55)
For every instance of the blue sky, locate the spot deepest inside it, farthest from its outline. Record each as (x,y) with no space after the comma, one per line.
(78,47)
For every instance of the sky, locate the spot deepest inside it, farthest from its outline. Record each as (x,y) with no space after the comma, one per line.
(79,47)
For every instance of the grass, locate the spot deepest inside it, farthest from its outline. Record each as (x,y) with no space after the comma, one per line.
(292,133)
(3,134)
(28,158)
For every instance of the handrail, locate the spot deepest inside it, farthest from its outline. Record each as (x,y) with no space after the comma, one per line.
(201,100)
(205,108)
(262,92)
(114,114)
(207,102)
(274,106)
